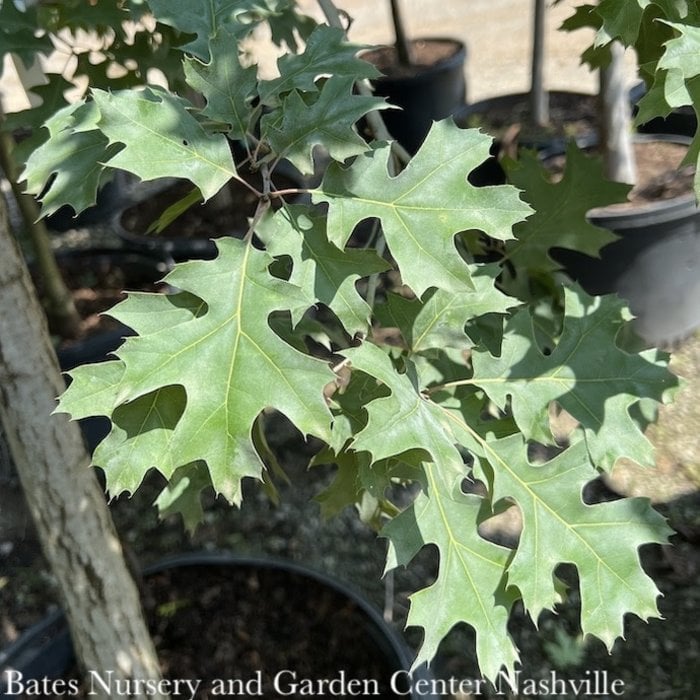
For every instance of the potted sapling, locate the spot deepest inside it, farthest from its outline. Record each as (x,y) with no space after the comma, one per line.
(652,264)
(539,119)
(424,77)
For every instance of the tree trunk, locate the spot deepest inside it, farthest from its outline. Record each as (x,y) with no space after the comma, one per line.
(539,99)
(403,45)
(616,128)
(64,498)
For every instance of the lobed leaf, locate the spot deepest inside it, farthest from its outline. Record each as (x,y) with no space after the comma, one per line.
(205,364)
(202,20)
(586,373)
(439,320)
(68,168)
(471,582)
(560,208)
(404,420)
(161,138)
(227,87)
(181,495)
(601,540)
(422,208)
(327,53)
(323,272)
(327,122)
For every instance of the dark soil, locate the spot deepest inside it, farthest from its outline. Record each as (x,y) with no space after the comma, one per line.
(658,172)
(660,176)
(425,54)
(230,622)
(252,627)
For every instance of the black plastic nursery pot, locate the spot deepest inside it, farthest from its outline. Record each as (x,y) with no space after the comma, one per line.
(248,627)
(654,265)
(432,89)
(573,115)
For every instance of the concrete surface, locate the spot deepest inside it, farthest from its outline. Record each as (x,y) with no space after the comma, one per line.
(497,33)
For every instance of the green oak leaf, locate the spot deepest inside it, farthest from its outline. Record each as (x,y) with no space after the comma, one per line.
(286,23)
(357,475)
(692,157)
(404,420)
(93,389)
(227,87)
(177,147)
(144,427)
(71,160)
(559,527)
(212,343)
(653,102)
(238,17)
(619,19)
(348,403)
(471,581)
(203,20)
(328,122)
(633,22)
(627,19)
(325,273)
(439,320)
(586,373)
(327,52)
(560,209)
(678,74)
(181,495)
(423,207)
(345,489)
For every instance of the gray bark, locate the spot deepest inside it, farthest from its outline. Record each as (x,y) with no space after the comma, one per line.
(66,503)
(616,129)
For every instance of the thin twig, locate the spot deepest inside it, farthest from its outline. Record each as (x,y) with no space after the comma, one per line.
(289,190)
(374,278)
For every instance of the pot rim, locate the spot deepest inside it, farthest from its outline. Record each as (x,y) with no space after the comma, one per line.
(425,73)
(226,558)
(657,212)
